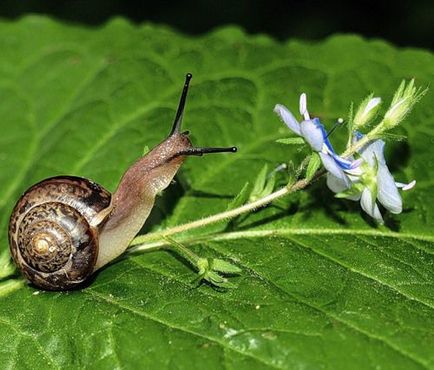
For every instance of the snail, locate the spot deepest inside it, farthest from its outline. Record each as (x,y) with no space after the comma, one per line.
(65,228)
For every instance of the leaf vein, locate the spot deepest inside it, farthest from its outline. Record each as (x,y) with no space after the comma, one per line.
(108,300)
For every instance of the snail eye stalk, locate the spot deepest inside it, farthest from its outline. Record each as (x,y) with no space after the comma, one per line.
(179,113)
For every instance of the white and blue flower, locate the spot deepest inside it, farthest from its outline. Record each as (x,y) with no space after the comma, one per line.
(374,182)
(367,179)
(314,133)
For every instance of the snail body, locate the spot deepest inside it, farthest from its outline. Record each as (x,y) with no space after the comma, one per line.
(65,228)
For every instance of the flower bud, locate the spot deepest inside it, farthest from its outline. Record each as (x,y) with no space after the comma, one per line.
(403,101)
(366,112)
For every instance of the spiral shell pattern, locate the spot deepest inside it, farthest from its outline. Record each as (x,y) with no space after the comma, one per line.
(51,236)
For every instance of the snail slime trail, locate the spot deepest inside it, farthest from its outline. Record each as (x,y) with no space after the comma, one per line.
(65,228)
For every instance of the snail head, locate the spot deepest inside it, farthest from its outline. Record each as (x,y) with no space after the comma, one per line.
(176,135)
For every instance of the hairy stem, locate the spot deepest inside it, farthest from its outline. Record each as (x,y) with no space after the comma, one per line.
(224,215)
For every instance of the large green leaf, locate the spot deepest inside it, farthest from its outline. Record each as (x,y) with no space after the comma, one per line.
(321,287)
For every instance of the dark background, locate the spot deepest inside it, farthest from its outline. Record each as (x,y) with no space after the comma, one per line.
(403,22)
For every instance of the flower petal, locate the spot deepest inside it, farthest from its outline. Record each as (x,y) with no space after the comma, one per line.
(303,106)
(349,165)
(371,105)
(355,197)
(406,187)
(369,206)
(288,119)
(313,134)
(373,152)
(332,167)
(336,185)
(388,194)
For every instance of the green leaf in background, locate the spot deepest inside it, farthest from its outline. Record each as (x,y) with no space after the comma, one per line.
(313,165)
(241,198)
(263,185)
(321,286)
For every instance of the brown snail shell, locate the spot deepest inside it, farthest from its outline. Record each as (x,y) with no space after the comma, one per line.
(51,234)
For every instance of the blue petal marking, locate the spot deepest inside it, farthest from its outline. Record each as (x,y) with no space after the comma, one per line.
(343,163)
(318,123)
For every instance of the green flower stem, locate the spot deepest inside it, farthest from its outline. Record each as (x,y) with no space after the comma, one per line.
(219,216)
